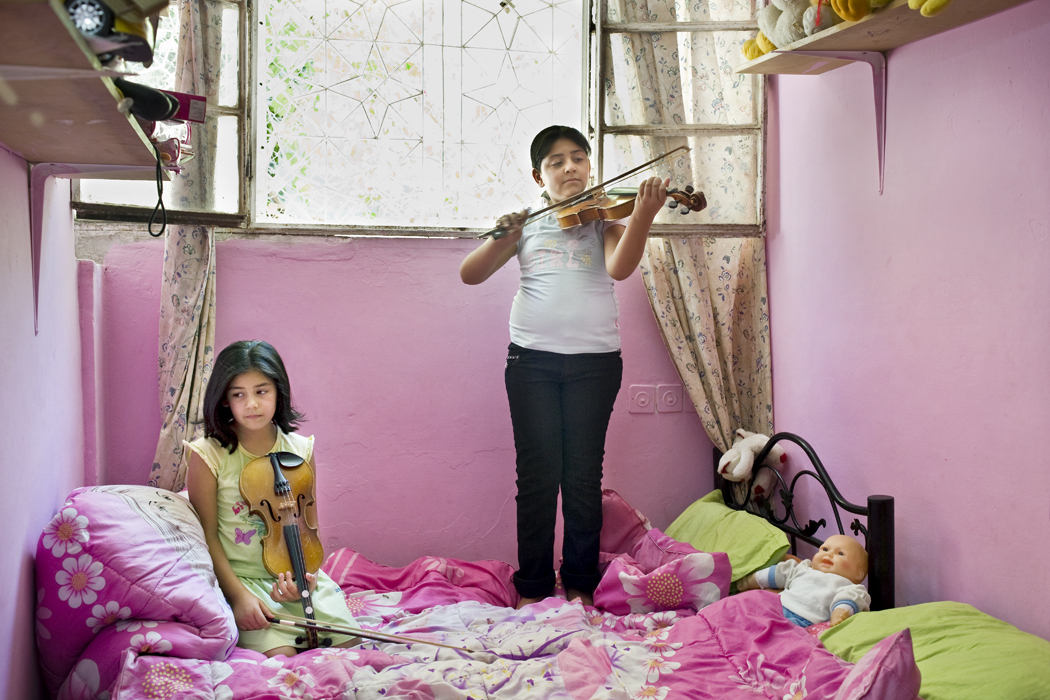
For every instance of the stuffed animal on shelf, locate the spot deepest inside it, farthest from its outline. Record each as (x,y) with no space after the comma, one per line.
(737,462)
(928,8)
(779,24)
(851,10)
(819,16)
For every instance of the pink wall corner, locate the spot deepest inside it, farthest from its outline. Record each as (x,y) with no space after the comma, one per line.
(89,291)
(41,412)
(398,367)
(910,330)
(128,399)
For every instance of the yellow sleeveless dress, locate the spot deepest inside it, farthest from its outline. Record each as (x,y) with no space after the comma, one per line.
(241,535)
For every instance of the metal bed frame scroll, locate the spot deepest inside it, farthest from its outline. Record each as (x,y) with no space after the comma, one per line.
(878,533)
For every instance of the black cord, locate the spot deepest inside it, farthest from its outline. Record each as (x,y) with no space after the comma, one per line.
(160,201)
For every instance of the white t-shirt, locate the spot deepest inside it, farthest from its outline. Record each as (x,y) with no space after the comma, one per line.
(566,303)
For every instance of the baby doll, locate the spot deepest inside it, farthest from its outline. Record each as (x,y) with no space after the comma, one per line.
(828,587)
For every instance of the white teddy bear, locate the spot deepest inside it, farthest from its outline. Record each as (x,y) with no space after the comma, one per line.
(828,17)
(781,21)
(737,462)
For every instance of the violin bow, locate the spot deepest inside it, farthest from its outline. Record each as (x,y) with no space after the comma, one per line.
(500,233)
(304,623)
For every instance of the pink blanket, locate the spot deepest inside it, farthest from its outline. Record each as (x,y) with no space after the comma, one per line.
(128,608)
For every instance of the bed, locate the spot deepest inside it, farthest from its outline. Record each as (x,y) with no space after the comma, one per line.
(128,607)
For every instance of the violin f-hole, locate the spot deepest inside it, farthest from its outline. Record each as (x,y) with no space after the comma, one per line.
(269,507)
(300,506)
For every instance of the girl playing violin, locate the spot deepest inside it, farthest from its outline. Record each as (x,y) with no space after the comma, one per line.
(563,367)
(247,414)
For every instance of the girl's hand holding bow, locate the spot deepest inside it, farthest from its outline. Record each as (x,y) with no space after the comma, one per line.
(511,225)
(250,613)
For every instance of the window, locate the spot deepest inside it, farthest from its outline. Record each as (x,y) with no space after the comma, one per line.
(417,115)
(666,79)
(218,141)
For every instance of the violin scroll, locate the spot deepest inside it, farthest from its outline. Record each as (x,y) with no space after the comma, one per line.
(690,199)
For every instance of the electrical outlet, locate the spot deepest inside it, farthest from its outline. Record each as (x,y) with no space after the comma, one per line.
(642,398)
(669,398)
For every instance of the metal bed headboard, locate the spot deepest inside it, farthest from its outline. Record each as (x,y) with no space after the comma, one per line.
(878,533)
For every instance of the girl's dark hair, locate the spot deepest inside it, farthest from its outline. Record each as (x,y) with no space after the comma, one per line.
(235,359)
(545,140)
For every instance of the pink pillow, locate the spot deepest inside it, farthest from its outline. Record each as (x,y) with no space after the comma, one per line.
(125,567)
(662,575)
(622,524)
(887,672)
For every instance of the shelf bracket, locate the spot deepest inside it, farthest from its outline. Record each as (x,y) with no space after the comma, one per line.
(877,61)
(38,175)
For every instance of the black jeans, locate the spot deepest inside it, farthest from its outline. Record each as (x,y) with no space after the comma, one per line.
(560,407)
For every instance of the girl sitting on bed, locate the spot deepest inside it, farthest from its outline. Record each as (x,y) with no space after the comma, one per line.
(247,414)
(563,366)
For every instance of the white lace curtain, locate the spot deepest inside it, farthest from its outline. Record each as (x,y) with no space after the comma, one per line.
(708,294)
(187,308)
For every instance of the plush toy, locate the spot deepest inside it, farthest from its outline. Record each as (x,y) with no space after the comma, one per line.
(779,24)
(851,10)
(928,8)
(819,17)
(737,462)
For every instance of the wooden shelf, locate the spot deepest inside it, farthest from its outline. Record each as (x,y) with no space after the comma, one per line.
(61,120)
(887,28)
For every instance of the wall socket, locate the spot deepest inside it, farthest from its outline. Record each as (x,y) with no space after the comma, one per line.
(669,398)
(642,398)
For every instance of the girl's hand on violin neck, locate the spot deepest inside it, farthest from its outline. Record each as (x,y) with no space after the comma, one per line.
(250,613)
(285,590)
(652,194)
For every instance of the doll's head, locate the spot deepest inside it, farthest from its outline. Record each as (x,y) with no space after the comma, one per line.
(842,555)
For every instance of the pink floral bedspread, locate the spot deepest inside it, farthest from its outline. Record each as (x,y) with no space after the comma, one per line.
(662,626)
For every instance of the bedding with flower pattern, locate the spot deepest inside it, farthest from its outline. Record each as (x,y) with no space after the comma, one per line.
(128,608)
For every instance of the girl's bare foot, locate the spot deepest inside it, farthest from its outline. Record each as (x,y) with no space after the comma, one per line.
(526,601)
(585,598)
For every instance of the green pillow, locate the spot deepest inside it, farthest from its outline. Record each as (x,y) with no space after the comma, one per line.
(751,542)
(961,652)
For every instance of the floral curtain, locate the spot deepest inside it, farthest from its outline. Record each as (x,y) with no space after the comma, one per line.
(708,294)
(709,298)
(187,309)
(685,80)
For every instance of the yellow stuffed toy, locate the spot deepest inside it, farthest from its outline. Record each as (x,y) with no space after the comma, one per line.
(928,8)
(851,10)
(759,46)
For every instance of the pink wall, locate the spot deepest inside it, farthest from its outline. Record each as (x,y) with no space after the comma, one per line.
(40,462)
(910,331)
(399,368)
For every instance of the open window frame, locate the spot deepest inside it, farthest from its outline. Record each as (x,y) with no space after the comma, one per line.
(594,60)
(681,121)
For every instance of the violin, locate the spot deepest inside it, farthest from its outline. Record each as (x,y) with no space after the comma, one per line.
(579,203)
(279,488)
(619,204)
